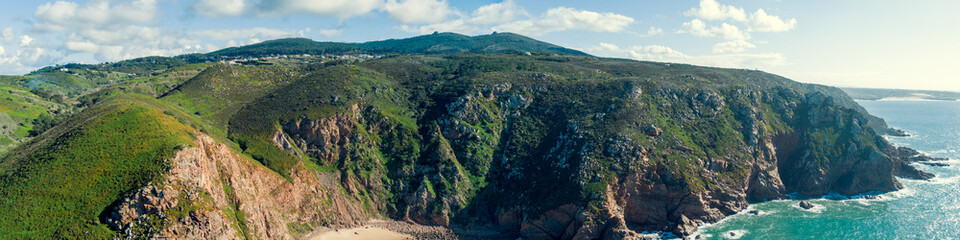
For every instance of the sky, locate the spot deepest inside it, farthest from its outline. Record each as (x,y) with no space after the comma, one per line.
(850,43)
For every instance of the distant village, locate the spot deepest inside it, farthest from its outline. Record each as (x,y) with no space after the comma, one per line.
(305,57)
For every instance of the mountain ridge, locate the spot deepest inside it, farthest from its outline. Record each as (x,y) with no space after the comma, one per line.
(433,43)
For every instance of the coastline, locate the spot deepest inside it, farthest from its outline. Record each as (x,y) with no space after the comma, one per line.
(794,199)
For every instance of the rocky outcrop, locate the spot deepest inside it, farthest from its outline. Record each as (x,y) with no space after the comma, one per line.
(670,176)
(172,210)
(520,160)
(210,192)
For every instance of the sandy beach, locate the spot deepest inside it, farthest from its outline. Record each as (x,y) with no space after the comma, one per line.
(361,233)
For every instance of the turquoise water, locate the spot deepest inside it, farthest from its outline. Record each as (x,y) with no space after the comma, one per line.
(922,210)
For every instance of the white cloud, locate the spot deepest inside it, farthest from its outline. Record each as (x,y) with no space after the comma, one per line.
(712,10)
(62,15)
(769,23)
(56,12)
(418,11)
(498,13)
(662,53)
(8,36)
(654,31)
(503,17)
(655,53)
(458,25)
(25,40)
(324,8)
(605,47)
(34,56)
(113,30)
(120,36)
(733,46)
(82,47)
(131,42)
(562,18)
(330,32)
(220,8)
(27,59)
(259,32)
(741,60)
(725,31)
(479,21)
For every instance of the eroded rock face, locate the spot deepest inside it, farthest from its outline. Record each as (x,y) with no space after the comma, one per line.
(172,210)
(497,157)
(212,193)
(560,223)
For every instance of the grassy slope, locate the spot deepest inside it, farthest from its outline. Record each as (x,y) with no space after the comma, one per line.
(221,90)
(432,43)
(19,107)
(325,92)
(407,91)
(61,182)
(50,92)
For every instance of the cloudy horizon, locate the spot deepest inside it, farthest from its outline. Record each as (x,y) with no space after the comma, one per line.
(881,44)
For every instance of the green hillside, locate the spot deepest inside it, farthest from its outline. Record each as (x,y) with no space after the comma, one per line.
(441,129)
(434,43)
(25,112)
(56,186)
(221,90)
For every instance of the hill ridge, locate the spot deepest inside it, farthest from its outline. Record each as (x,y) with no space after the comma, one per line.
(431,43)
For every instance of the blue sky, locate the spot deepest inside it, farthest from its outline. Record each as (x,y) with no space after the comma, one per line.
(866,43)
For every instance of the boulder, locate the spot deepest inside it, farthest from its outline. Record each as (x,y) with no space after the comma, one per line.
(651,130)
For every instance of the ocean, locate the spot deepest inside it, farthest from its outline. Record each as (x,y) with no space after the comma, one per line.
(922,210)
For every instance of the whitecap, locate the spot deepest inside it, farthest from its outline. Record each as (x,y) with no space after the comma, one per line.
(937,152)
(905,192)
(944,180)
(663,235)
(863,200)
(817,208)
(734,234)
(760,213)
(868,202)
(703,226)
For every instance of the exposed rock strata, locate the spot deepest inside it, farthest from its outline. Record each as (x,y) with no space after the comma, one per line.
(782,150)
(582,181)
(212,193)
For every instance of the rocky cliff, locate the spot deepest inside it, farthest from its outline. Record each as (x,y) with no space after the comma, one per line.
(539,147)
(544,156)
(210,192)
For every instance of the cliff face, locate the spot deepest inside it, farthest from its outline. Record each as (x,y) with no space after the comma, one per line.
(560,149)
(656,158)
(549,145)
(211,192)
